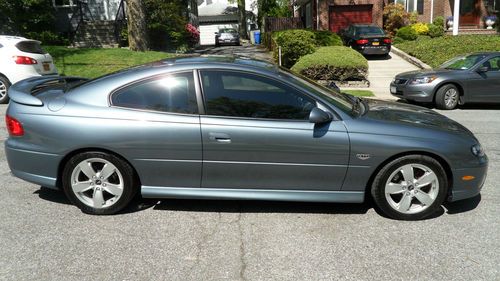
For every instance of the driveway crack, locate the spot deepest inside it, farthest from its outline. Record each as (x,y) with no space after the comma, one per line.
(243,262)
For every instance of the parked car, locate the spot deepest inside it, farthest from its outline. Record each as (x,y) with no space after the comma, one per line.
(368,39)
(227,36)
(473,78)
(21,58)
(234,128)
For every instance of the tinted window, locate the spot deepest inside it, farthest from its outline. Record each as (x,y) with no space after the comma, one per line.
(493,64)
(172,93)
(241,94)
(463,63)
(30,47)
(369,30)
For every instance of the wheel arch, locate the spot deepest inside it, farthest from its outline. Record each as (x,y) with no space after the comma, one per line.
(69,155)
(460,87)
(446,166)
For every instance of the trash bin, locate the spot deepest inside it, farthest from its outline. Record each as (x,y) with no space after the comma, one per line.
(257,37)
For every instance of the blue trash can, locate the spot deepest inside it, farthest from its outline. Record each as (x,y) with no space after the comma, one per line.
(256,36)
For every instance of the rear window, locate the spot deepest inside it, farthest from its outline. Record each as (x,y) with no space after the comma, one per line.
(370,30)
(30,47)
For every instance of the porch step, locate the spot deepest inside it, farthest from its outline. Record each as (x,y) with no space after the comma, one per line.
(96,34)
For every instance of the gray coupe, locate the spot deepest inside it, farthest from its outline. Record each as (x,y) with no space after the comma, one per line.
(234,128)
(473,78)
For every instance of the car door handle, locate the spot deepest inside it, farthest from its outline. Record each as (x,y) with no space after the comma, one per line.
(219,137)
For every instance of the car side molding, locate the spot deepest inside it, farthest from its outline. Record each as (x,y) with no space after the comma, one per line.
(253,194)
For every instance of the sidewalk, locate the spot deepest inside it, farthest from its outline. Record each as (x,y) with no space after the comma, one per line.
(382,71)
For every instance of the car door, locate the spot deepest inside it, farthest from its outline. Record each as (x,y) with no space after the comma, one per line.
(484,86)
(160,129)
(256,135)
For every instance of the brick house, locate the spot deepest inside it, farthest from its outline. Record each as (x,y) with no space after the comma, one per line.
(336,14)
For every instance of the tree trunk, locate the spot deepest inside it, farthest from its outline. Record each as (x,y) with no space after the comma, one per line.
(243,19)
(137,30)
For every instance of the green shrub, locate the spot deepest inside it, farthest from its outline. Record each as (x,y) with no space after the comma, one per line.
(333,63)
(420,28)
(48,38)
(395,17)
(327,38)
(407,33)
(294,44)
(439,21)
(398,40)
(413,18)
(436,30)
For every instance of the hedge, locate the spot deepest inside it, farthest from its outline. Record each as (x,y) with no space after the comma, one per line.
(333,63)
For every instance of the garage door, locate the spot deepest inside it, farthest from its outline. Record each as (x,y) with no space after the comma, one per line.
(207,34)
(343,15)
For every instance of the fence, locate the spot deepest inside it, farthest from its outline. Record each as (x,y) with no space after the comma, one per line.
(278,24)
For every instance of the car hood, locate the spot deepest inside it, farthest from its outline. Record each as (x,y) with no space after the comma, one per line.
(411,115)
(423,72)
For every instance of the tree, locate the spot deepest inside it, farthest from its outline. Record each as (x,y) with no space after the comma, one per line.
(273,8)
(243,19)
(22,16)
(137,29)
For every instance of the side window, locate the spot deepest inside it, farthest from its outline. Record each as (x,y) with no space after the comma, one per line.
(493,64)
(239,94)
(171,93)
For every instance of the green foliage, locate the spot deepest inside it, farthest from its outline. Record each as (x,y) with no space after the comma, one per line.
(439,21)
(397,40)
(294,44)
(333,63)
(438,50)
(327,38)
(273,8)
(435,30)
(166,20)
(92,63)
(413,17)
(22,16)
(407,33)
(48,37)
(420,28)
(395,17)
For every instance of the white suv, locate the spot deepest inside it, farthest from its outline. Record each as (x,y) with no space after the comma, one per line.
(21,58)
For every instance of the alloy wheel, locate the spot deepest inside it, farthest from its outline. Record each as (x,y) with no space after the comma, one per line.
(3,89)
(451,98)
(412,188)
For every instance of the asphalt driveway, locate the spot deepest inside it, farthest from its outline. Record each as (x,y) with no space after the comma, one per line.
(42,237)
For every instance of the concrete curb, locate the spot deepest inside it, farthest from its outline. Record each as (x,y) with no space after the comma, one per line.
(413,60)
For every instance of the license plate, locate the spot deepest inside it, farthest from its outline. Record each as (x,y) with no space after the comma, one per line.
(393,90)
(376,43)
(46,66)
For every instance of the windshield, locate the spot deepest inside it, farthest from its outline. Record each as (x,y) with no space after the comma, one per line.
(463,62)
(369,30)
(228,30)
(339,100)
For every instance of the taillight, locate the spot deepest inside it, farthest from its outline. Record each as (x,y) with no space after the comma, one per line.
(14,127)
(387,41)
(362,41)
(24,60)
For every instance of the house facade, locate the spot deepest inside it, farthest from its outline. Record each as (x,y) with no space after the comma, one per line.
(335,15)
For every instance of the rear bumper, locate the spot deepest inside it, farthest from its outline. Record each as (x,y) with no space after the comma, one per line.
(374,50)
(32,166)
(467,189)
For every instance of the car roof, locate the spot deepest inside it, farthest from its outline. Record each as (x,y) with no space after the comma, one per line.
(12,40)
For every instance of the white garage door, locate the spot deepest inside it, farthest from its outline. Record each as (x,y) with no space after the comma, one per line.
(207,32)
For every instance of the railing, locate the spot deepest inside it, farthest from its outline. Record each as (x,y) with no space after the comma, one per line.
(120,20)
(79,17)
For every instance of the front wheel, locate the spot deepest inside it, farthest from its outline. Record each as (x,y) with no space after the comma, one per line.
(447,97)
(99,183)
(410,187)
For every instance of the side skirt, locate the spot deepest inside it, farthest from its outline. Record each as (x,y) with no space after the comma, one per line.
(253,194)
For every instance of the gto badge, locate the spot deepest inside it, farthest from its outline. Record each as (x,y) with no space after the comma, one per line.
(362,156)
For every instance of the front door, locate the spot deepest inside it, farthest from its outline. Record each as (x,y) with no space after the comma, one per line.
(469,12)
(256,135)
(485,86)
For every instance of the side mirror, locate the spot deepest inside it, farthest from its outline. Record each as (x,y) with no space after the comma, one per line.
(334,86)
(482,69)
(318,116)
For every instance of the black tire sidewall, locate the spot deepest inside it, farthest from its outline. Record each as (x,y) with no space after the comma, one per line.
(130,185)
(378,187)
(5,99)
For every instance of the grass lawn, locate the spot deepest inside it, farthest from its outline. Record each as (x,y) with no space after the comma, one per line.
(438,50)
(91,63)
(359,93)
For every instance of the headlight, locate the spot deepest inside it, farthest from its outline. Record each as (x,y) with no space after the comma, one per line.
(423,80)
(477,150)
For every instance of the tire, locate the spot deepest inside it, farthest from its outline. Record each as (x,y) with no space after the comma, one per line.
(447,97)
(4,87)
(105,194)
(420,198)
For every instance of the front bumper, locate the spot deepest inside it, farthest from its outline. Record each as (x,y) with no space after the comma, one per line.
(418,93)
(463,189)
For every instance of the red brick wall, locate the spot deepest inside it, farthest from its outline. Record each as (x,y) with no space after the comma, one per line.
(377,12)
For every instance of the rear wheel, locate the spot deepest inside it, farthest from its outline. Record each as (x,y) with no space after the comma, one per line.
(99,183)
(410,187)
(4,87)
(447,97)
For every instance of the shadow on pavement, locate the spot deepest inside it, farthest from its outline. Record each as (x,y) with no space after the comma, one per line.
(471,106)
(378,57)
(462,206)
(52,195)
